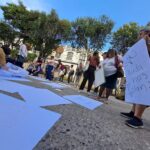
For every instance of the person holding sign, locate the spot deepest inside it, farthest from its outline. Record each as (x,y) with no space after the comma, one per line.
(105,55)
(89,74)
(138,109)
(110,71)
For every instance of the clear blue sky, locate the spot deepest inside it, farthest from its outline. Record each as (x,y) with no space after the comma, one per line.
(120,11)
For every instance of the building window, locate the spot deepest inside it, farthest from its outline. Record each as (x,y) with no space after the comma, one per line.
(69,56)
(69,49)
(83,57)
(57,55)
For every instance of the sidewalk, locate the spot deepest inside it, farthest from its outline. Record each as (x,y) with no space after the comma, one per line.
(101,129)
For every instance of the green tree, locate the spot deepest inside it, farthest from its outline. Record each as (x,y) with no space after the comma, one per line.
(44,31)
(31,56)
(49,31)
(19,18)
(125,37)
(7,33)
(14,53)
(91,33)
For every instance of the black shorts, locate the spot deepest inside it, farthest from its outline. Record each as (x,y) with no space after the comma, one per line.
(110,82)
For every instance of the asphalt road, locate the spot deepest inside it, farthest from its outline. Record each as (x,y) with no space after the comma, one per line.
(101,129)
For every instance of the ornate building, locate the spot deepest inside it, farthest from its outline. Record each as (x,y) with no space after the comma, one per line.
(71,56)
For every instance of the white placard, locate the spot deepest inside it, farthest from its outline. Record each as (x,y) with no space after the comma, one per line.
(137,69)
(22,126)
(99,77)
(55,85)
(42,97)
(13,71)
(17,71)
(84,101)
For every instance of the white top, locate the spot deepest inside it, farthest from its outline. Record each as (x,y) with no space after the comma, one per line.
(51,62)
(109,66)
(23,51)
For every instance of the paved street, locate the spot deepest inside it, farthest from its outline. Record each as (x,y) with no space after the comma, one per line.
(48,46)
(100,129)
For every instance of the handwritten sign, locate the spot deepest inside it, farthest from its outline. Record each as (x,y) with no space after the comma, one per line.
(137,70)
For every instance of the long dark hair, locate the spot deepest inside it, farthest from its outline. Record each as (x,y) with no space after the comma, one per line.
(112,51)
(95,53)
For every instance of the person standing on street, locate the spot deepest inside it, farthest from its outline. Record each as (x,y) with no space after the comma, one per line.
(50,68)
(22,55)
(110,72)
(135,115)
(89,74)
(71,73)
(78,74)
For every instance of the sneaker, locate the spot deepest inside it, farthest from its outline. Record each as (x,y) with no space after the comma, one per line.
(129,115)
(135,123)
(106,101)
(94,94)
(80,91)
(88,93)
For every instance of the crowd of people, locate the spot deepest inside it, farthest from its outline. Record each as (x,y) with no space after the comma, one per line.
(22,53)
(112,64)
(55,70)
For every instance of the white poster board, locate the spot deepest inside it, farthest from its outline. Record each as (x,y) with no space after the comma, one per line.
(137,69)
(23,126)
(99,77)
(13,71)
(84,101)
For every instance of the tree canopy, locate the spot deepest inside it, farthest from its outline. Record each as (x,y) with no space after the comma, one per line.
(125,37)
(46,31)
(91,33)
(6,32)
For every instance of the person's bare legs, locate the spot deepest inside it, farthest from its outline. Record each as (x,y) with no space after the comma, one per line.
(136,121)
(129,114)
(139,110)
(104,93)
(101,91)
(133,108)
(108,92)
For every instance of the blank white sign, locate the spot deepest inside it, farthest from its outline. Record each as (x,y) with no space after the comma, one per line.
(22,126)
